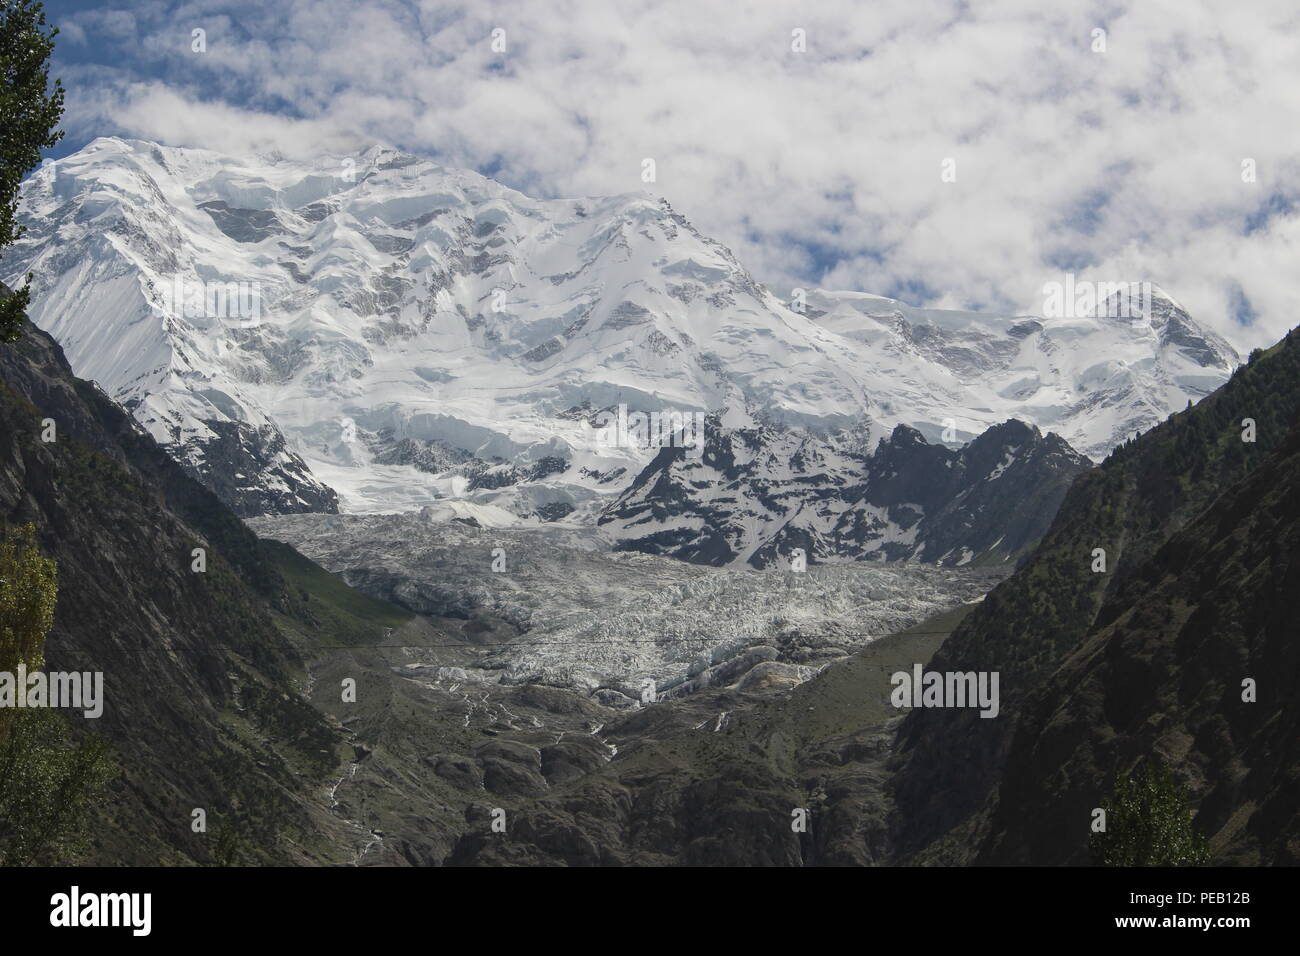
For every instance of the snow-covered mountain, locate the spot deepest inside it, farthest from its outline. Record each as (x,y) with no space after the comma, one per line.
(382,334)
(765,497)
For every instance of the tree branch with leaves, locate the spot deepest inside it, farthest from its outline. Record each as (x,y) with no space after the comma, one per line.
(30,109)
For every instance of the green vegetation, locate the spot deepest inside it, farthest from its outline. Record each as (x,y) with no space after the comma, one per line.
(254,615)
(852,697)
(1075,647)
(47,786)
(28,586)
(338,613)
(29,112)
(1148,824)
(1128,506)
(46,782)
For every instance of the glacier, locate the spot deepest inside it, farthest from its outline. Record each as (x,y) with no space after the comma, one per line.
(428,337)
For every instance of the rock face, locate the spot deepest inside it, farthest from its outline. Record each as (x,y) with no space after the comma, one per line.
(1100,670)
(281,481)
(390,331)
(760,496)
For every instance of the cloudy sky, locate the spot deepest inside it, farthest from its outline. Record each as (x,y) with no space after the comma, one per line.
(1117,155)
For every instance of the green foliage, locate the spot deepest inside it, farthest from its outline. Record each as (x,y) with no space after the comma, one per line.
(46,782)
(1128,506)
(47,785)
(29,112)
(28,588)
(226,840)
(1148,824)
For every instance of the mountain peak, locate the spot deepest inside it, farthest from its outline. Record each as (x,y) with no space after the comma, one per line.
(340,310)
(905,435)
(1011,431)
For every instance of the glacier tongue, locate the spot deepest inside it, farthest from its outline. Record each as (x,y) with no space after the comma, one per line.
(403,334)
(551,606)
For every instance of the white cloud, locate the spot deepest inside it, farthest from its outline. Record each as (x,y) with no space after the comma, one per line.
(817,168)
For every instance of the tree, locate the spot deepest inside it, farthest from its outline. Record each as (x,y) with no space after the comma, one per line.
(46,782)
(29,112)
(1148,824)
(28,587)
(47,785)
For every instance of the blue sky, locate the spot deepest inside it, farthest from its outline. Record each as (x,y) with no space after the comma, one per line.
(1118,156)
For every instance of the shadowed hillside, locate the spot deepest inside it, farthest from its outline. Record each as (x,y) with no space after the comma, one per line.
(1099,670)
(199,668)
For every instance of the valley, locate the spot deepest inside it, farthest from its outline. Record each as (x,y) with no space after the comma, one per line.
(712,778)
(449,616)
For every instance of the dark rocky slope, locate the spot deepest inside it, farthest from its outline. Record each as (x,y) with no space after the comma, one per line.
(1161,671)
(199,681)
(1100,670)
(282,482)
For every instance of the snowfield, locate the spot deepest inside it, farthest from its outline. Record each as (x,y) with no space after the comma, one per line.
(400,328)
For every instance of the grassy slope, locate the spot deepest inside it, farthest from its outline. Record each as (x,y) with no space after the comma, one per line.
(326,606)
